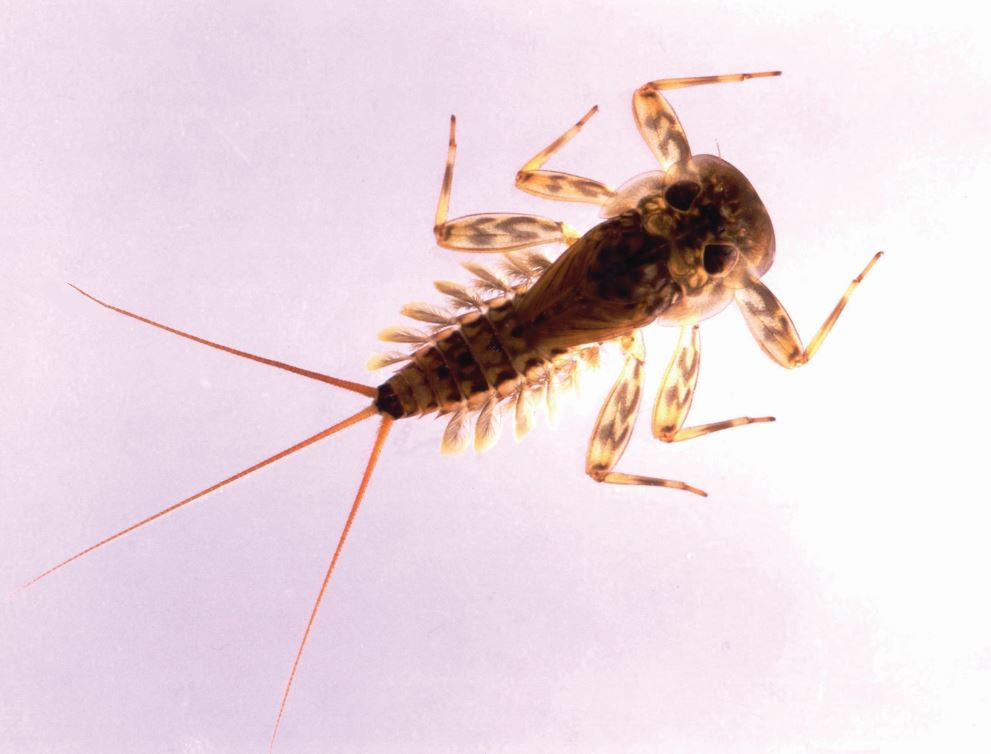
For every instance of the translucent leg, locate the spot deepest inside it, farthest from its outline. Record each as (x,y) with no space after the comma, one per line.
(492,232)
(773,329)
(674,398)
(562,187)
(615,425)
(657,121)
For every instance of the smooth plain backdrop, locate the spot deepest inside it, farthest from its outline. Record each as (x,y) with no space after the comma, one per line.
(264,174)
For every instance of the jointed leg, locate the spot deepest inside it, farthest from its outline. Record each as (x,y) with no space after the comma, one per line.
(492,231)
(657,121)
(674,399)
(615,425)
(773,329)
(563,187)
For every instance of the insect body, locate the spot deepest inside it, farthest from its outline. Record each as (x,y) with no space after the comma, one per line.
(676,246)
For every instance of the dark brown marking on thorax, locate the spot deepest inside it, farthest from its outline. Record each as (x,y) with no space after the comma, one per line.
(630,264)
(613,280)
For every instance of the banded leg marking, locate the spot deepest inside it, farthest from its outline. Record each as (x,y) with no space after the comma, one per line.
(674,398)
(615,425)
(657,121)
(773,329)
(562,187)
(491,232)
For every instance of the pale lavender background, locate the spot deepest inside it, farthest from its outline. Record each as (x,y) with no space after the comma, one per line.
(265,174)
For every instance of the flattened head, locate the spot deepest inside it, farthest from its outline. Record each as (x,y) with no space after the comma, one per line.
(717,228)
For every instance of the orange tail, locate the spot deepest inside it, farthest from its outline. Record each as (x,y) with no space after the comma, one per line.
(354,387)
(365,413)
(369,468)
(361,415)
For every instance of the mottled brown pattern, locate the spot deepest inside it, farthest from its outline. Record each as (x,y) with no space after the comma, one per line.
(492,358)
(497,232)
(674,399)
(441,379)
(616,419)
(613,280)
(411,389)
(486,351)
(678,246)
(514,340)
(660,127)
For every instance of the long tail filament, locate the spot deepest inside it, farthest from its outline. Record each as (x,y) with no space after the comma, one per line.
(361,415)
(354,387)
(365,413)
(383,432)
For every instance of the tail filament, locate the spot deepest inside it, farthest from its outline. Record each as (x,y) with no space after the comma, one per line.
(383,432)
(365,413)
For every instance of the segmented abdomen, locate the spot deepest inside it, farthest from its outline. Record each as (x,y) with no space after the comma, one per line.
(481,360)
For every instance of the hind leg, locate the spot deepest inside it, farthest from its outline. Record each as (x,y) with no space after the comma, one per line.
(615,425)
(674,398)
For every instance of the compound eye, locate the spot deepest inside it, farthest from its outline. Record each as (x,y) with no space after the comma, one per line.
(719,258)
(681,194)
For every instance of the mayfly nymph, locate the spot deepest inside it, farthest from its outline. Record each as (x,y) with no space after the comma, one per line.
(676,246)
